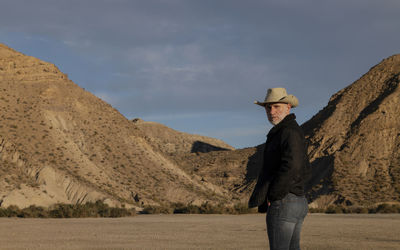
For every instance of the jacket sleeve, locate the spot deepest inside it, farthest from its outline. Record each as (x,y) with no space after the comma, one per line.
(259,195)
(292,157)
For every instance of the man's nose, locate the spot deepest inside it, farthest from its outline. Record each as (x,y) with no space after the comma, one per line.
(272,110)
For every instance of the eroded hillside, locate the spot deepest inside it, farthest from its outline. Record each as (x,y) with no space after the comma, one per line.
(60,143)
(354,147)
(354,141)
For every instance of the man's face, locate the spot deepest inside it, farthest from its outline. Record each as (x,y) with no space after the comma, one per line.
(276,112)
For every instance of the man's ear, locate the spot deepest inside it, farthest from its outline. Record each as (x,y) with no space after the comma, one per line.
(289,106)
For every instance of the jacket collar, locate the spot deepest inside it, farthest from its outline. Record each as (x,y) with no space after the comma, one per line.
(289,118)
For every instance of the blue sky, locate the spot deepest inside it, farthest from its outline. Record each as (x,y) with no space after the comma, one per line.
(198,65)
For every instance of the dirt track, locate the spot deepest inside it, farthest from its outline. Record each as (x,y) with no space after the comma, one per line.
(196,231)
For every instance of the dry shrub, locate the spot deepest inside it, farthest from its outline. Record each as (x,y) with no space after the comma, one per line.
(338,209)
(208,208)
(316,210)
(332,209)
(89,209)
(388,209)
(150,209)
(205,208)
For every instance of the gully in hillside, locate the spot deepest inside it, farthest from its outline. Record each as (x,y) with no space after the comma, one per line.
(280,186)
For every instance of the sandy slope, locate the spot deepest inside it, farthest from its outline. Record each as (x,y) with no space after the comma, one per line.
(321,231)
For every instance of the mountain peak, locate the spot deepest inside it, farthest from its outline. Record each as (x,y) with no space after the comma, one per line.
(354,140)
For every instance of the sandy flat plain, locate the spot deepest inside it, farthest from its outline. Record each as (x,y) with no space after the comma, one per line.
(321,231)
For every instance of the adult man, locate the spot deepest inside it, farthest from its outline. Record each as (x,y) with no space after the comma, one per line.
(280,184)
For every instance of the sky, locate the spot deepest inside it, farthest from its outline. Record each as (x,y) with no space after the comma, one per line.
(198,65)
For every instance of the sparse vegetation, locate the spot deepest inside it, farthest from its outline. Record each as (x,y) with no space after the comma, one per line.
(387,208)
(149,209)
(205,208)
(338,209)
(90,209)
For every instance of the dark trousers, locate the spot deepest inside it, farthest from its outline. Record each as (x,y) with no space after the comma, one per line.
(284,220)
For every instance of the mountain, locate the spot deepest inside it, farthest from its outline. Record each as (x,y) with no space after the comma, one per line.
(354,147)
(60,143)
(354,142)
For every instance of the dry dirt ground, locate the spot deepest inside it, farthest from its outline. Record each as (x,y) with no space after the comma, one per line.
(320,231)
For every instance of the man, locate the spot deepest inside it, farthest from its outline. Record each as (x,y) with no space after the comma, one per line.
(280,185)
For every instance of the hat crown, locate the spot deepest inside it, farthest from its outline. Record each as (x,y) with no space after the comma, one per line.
(275,94)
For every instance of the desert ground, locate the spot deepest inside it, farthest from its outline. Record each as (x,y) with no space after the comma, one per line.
(321,231)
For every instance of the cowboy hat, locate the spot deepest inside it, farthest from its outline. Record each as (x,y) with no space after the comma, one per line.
(278,95)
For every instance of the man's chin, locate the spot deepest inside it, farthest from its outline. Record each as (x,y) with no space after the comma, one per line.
(274,122)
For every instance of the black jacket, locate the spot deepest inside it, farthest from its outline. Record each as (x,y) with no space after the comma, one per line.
(285,168)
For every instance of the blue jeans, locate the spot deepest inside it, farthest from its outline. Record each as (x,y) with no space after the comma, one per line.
(284,220)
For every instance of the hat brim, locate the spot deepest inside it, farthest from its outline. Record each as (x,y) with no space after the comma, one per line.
(290,99)
(260,103)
